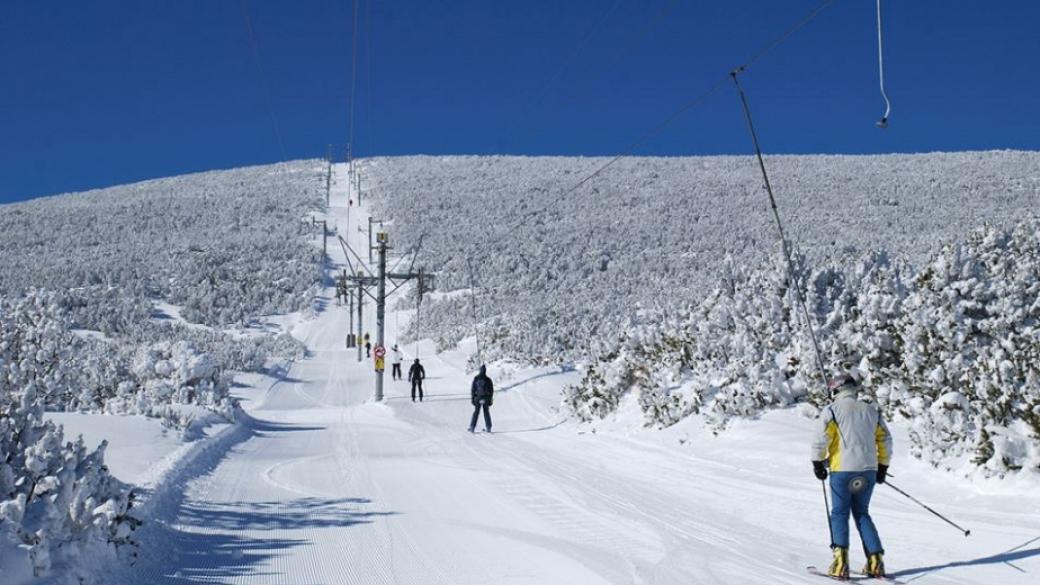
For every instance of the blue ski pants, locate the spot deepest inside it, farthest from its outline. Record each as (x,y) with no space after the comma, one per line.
(844,501)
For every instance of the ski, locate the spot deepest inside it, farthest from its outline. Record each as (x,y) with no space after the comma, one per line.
(854,577)
(886,579)
(851,579)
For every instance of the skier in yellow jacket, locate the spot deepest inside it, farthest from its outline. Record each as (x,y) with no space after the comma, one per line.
(853,441)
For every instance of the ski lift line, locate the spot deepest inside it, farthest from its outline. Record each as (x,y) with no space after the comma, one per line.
(811,16)
(883,122)
(353,79)
(628,46)
(361,263)
(346,255)
(538,95)
(779,225)
(255,49)
(368,72)
(661,126)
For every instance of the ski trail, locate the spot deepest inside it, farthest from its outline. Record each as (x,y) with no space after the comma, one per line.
(321,485)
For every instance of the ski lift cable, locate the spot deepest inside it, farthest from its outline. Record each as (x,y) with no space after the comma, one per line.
(628,47)
(353,79)
(255,49)
(669,120)
(883,122)
(535,97)
(368,73)
(346,255)
(361,263)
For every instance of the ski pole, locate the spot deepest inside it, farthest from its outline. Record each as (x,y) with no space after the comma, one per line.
(827,507)
(919,503)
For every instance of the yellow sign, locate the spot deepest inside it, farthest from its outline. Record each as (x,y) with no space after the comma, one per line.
(379,364)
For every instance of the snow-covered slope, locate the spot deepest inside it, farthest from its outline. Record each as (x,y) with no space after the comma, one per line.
(556,269)
(226,246)
(920,272)
(327,487)
(87,282)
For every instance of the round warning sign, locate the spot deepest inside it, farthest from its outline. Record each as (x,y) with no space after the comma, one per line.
(380,351)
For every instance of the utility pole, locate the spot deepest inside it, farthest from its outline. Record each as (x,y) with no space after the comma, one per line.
(360,303)
(379,282)
(324,240)
(328,180)
(357,180)
(371,220)
(350,293)
(380,314)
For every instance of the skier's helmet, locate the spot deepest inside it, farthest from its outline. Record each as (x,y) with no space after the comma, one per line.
(842,382)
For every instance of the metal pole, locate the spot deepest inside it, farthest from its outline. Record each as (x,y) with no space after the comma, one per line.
(780,228)
(370,240)
(328,180)
(357,177)
(360,303)
(324,240)
(418,306)
(827,507)
(380,309)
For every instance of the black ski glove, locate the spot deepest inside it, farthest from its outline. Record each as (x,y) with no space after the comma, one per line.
(819,470)
(882,472)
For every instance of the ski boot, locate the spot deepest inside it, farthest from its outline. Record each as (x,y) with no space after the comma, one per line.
(840,565)
(875,566)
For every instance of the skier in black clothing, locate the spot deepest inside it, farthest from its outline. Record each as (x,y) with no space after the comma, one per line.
(416,374)
(368,349)
(482,394)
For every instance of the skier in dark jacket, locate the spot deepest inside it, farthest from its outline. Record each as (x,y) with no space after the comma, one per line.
(482,395)
(416,374)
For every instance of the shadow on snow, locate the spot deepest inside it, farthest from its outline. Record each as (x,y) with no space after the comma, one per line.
(191,541)
(1015,554)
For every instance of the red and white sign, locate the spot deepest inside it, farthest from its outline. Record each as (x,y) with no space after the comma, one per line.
(379,351)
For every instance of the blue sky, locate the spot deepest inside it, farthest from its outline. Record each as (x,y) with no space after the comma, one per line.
(107,92)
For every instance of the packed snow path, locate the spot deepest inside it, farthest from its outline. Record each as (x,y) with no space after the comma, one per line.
(322,486)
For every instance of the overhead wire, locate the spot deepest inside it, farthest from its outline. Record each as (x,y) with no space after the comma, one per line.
(657,129)
(368,74)
(255,49)
(666,122)
(532,98)
(353,82)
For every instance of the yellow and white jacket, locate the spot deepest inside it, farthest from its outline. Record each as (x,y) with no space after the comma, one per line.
(852,435)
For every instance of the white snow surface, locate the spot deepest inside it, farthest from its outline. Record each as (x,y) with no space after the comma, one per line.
(318,484)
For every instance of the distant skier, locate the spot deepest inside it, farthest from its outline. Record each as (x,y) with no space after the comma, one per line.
(395,359)
(482,395)
(853,439)
(416,374)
